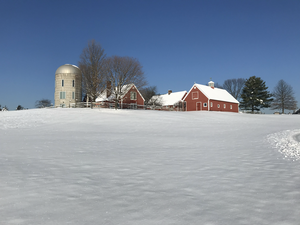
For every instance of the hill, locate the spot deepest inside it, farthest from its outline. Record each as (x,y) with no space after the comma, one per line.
(83,166)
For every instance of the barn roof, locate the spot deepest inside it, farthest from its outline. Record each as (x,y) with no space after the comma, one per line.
(215,93)
(170,99)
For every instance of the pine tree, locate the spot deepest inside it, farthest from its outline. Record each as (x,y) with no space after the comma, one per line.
(284,97)
(255,95)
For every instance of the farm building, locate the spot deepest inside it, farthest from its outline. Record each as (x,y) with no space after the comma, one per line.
(209,98)
(170,101)
(67,86)
(130,99)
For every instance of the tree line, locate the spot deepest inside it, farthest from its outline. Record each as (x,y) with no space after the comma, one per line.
(253,94)
(98,69)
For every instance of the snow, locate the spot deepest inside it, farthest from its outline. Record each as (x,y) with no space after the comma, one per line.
(170,99)
(287,142)
(91,166)
(215,93)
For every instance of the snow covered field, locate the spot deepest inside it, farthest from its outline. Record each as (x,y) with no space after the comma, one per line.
(83,166)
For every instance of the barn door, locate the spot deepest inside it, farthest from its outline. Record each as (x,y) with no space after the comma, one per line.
(198,106)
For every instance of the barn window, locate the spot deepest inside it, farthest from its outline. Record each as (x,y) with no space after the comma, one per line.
(205,104)
(195,95)
(224,106)
(211,104)
(218,105)
(133,95)
(230,106)
(62,95)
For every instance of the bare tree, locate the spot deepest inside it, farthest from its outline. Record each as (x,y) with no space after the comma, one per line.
(43,103)
(152,98)
(155,102)
(148,93)
(283,97)
(234,87)
(121,71)
(91,64)
(217,85)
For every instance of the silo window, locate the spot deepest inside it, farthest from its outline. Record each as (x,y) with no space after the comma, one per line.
(62,95)
(62,83)
(73,84)
(73,95)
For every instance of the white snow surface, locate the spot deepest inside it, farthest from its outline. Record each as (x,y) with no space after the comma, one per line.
(91,166)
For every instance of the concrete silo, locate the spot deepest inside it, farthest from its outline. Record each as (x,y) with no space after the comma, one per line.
(67,86)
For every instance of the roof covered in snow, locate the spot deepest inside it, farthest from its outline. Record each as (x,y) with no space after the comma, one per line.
(172,98)
(215,93)
(103,95)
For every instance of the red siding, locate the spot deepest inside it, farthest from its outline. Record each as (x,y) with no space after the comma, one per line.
(235,106)
(139,99)
(196,100)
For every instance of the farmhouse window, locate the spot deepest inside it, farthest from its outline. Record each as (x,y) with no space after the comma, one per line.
(205,104)
(195,95)
(133,95)
(62,95)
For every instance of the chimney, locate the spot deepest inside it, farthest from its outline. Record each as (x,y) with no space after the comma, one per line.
(108,89)
(169,92)
(211,84)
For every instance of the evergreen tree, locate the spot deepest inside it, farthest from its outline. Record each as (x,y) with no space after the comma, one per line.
(255,95)
(20,107)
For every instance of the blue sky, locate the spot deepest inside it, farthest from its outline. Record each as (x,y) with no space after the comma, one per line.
(177,42)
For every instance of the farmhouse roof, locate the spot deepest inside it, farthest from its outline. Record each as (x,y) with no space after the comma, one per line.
(172,98)
(215,93)
(103,95)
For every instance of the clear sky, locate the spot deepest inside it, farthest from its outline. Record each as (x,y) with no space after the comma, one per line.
(177,42)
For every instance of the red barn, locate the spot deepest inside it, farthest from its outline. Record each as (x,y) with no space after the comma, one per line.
(208,98)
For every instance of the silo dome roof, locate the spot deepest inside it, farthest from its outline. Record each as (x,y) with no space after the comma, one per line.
(68,68)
